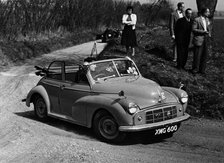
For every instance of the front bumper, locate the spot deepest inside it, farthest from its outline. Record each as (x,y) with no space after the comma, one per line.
(154,125)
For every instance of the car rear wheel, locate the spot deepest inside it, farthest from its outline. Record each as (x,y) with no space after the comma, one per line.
(40,108)
(106,128)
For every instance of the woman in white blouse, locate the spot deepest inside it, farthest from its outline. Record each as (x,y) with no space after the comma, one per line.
(128,38)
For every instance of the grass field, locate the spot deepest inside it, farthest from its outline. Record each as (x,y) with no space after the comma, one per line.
(218,34)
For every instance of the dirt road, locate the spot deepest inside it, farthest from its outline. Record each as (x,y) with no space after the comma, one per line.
(25,139)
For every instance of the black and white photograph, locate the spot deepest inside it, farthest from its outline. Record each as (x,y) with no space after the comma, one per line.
(123,81)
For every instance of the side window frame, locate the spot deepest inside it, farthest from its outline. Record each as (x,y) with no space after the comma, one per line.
(62,65)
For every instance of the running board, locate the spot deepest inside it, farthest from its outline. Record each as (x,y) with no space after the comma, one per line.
(65,118)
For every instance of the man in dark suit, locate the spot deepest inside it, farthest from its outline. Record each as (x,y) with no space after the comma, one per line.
(201,33)
(177,14)
(182,32)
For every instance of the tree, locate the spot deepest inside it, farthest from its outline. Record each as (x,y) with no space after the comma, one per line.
(211,4)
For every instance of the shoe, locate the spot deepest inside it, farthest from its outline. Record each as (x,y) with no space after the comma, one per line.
(174,60)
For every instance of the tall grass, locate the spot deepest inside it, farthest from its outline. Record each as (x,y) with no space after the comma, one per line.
(20,17)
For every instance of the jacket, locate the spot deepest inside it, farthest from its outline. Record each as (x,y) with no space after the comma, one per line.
(173,19)
(199,31)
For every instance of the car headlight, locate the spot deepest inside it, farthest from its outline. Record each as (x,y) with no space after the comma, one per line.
(132,108)
(184,98)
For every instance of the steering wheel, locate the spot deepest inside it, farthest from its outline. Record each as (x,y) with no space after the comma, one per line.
(98,75)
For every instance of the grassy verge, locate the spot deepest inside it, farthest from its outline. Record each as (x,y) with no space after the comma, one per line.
(153,57)
(15,52)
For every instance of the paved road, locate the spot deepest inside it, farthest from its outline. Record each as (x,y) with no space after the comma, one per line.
(25,139)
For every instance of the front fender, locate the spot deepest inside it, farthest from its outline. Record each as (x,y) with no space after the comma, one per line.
(40,90)
(177,92)
(95,103)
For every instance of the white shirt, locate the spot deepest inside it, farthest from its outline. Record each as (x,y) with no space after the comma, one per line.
(132,22)
(204,23)
(181,15)
(188,19)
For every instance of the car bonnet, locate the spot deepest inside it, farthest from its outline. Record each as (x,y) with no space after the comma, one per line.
(143,92)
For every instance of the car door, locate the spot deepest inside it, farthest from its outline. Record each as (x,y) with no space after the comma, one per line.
(52,84)
(73,89)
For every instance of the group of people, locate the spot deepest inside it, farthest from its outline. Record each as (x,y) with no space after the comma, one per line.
(182,28)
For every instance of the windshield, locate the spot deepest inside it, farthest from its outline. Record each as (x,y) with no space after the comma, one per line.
(126,68)
(111,69)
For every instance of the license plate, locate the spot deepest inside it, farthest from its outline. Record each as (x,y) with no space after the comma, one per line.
(165,130)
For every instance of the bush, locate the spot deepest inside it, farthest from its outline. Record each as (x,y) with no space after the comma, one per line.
(15,52)
(21,17)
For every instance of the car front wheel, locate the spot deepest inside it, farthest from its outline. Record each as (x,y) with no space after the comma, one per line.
(40,108)
(106,128)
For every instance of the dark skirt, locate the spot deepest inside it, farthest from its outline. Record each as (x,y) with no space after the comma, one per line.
(128,37)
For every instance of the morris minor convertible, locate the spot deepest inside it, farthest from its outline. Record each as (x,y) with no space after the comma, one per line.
(108,95)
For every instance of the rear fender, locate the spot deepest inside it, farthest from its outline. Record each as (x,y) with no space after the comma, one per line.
(40,90)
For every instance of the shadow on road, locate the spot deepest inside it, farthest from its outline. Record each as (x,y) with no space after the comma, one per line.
(144,138)
(66,126)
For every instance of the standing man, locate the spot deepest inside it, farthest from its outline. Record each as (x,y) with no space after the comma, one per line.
(177,14)
(201,33)
(182,36)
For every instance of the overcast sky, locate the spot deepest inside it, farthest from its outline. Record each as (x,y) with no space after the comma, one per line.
(192,3)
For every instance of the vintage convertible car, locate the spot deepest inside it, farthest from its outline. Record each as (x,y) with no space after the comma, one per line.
(108,95)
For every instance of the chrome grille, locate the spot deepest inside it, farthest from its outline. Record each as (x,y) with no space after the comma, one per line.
(161,114)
